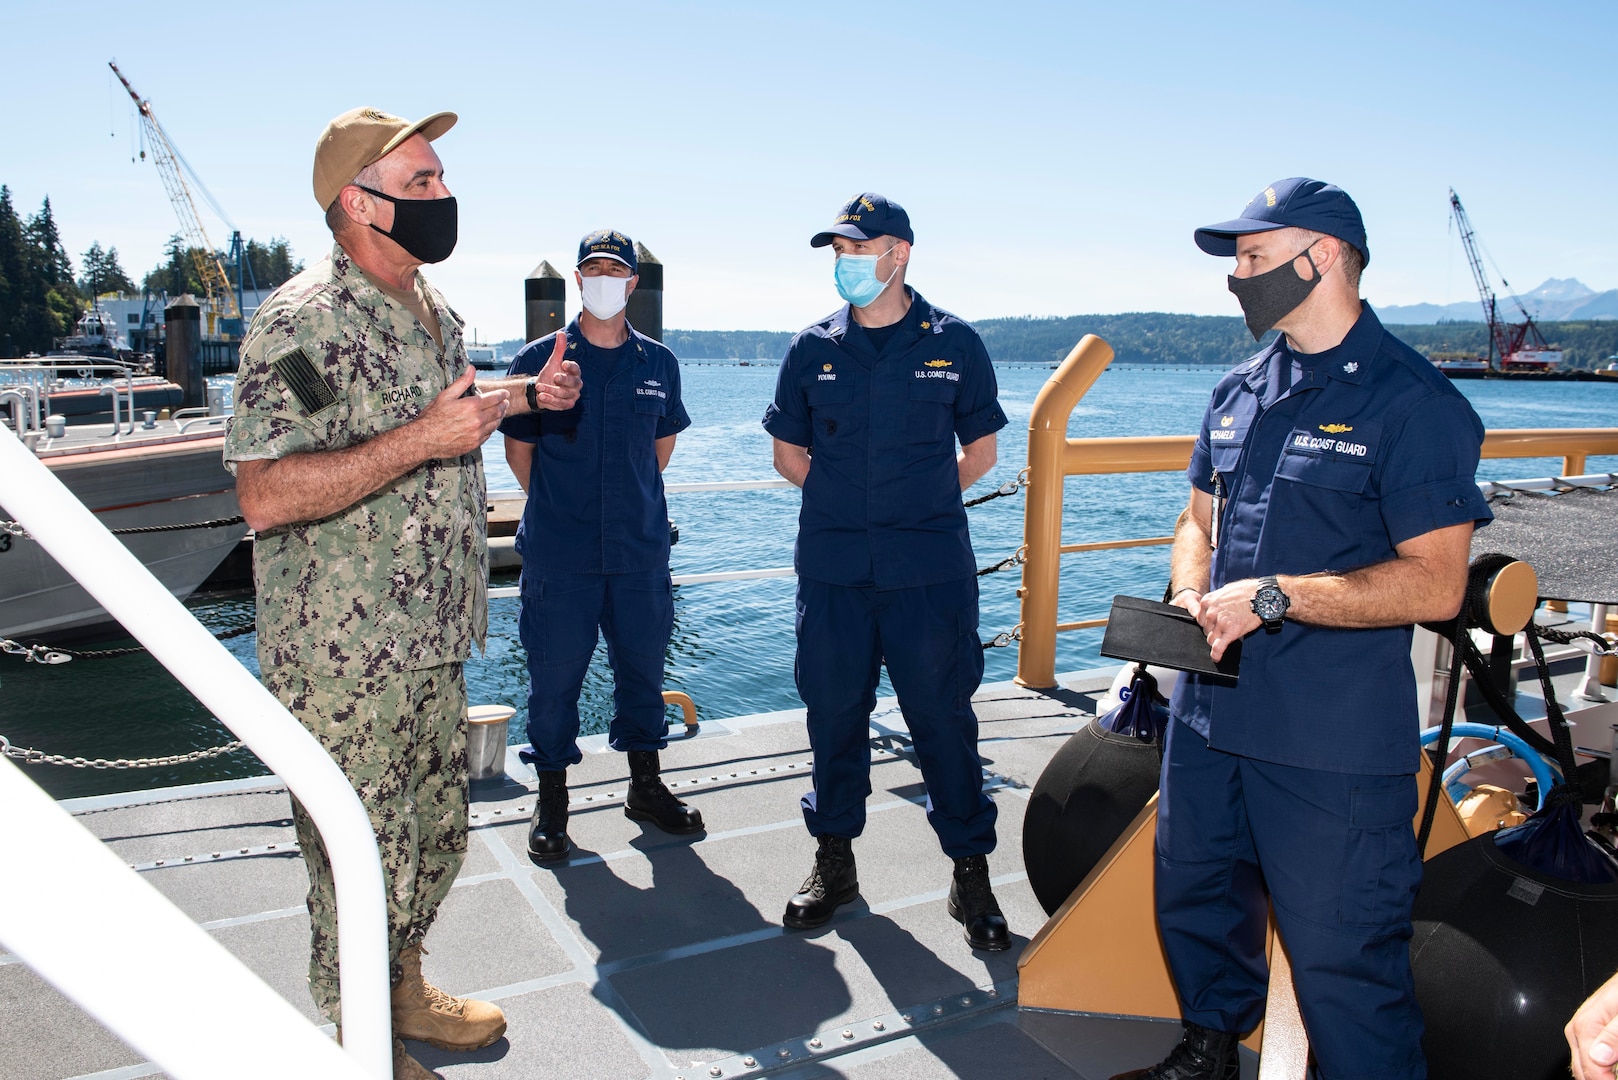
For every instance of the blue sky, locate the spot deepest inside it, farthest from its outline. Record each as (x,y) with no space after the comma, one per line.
(1054,157)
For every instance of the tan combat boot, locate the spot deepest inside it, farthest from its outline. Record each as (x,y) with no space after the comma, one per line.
(424,1012)
(406,1067)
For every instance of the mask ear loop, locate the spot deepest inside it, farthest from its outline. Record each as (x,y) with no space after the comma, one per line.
(1305,253)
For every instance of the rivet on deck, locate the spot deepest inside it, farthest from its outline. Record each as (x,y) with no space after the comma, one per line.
(938,1010)
(815,1043)
(783,1053)
(879,1026)
(847,1034)
(750,1063)
(716,1071)
(966,1001)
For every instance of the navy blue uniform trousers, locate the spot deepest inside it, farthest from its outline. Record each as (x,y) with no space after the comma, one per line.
(928,637)
(1336,853)
(561,614)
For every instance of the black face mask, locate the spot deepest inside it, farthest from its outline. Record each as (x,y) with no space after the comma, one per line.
(1269,297)
(425,228)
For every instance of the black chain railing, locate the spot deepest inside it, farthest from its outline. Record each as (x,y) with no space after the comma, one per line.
(11,528)
(1004,638)
(1017,558)
(56,654)
(1010,487)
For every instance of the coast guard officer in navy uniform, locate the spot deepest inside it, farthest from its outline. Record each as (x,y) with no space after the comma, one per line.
(1332,506)
(868,407)
(594,541)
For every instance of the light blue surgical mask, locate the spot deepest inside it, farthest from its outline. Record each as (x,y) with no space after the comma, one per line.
(856,278)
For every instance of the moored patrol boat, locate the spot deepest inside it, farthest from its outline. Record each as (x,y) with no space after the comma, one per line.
(652,956)
(160,482)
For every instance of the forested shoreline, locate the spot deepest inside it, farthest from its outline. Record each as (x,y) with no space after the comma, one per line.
(1158,338)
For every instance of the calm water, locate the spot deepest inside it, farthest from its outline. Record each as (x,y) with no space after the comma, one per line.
(732,644)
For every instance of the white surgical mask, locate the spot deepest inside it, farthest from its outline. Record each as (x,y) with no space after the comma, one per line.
(604,296)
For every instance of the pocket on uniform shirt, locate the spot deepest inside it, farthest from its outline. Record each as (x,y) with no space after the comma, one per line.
(563,435)
(932,410)
(828,405)
(649,409)
(1338,474)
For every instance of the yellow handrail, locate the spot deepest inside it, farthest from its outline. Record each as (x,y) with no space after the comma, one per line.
(1052,457)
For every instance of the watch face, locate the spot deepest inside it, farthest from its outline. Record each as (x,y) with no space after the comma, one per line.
(1269,603)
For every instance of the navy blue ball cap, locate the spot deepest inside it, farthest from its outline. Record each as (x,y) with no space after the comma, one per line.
(1297,202)
(866,216)
(609,244)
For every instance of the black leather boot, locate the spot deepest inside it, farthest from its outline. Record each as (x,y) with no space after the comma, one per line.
(1203,1054)
(831,883)
(547,833)
(972,904)
(651,800)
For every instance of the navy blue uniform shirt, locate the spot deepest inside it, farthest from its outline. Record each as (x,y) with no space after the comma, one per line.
(882,502)
(1328,461)
(595,496)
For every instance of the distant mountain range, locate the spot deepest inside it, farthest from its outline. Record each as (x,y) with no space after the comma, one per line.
(1556,300)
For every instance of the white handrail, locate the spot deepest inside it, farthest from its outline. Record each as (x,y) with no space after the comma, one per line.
(77,914)
(129,593)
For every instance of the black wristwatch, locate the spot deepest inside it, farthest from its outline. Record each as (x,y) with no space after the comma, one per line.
(1270,604)
(531,390)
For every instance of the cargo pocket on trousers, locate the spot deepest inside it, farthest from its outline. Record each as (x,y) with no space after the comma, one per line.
(1381,870)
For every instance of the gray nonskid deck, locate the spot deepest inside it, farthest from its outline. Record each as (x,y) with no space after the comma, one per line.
(646,956)
(651,957)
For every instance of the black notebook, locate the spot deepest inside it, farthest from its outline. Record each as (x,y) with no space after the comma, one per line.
(1163,635)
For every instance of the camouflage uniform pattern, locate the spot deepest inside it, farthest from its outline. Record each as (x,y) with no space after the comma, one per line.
(401,740)
(399,579)
(365,616)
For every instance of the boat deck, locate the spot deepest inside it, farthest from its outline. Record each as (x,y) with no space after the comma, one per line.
(645,955)
(652,957)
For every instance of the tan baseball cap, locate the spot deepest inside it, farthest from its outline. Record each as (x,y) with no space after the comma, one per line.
(360,137)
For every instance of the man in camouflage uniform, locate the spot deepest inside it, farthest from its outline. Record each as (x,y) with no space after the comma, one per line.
(355,443)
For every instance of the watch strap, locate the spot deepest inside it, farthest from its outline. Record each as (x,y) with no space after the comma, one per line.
(531,391)
(1269,583)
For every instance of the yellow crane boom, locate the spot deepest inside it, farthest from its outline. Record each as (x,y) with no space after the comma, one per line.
(210,268)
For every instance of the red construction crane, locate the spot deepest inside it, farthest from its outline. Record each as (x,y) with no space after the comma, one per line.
(1512,346)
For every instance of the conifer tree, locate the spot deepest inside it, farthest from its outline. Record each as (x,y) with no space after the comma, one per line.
(101,273)
(50,304)
(13,264)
